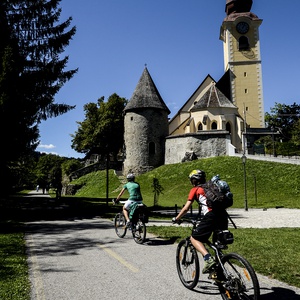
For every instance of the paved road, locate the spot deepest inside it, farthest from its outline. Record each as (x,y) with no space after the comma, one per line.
(83,259)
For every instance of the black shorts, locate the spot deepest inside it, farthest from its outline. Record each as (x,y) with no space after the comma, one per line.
(208,224)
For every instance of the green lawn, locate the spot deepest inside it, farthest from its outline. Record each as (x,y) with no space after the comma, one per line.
(269,184)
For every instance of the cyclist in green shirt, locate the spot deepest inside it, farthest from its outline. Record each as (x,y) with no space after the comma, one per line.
(135,196)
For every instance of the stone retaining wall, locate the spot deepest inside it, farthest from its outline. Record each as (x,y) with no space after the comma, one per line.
(180,147)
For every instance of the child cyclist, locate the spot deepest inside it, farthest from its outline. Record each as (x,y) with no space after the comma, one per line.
(135,196)
(210,219)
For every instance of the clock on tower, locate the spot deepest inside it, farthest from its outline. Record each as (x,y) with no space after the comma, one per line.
(242,27)
(242,60)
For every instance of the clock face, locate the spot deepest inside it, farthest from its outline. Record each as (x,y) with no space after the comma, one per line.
(242,27)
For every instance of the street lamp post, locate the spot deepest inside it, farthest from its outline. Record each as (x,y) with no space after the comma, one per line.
(107,174)
(273,140)
(244,158)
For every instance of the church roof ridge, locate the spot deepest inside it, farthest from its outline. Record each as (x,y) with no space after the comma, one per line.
(208,76)
(213,98)
(146,95)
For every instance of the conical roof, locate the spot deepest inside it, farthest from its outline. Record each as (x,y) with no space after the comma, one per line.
(146,95)
(213,98)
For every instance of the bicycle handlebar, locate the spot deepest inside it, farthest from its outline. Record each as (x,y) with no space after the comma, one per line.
(117,202)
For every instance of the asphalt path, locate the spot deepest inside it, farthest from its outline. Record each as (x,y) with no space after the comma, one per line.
(83,259)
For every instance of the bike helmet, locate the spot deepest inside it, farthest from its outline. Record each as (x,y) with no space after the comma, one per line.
(197,175)
(130,177)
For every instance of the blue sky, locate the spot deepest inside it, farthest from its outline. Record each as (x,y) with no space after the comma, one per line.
(179,42)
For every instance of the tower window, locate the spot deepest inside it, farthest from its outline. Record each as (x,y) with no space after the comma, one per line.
(151,148)
(131,119)
(246,91)
(228,127)
(200,126)
(243,43)
(245,74)
(214,125)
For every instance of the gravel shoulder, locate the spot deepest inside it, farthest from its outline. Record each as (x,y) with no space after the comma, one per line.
(253,218)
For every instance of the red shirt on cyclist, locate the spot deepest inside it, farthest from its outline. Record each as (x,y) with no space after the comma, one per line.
(210,220)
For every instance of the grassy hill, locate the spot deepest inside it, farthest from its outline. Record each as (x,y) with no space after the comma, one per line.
(269,184)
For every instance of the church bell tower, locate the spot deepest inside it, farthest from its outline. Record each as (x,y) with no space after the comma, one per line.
(242,59)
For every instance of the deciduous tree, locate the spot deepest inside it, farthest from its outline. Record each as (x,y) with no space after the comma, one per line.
(102,131)
(283,118)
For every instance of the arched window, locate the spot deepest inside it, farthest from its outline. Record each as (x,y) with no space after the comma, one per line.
(228,127)
(214,125)
(152,148)
(200,126)
(243,43)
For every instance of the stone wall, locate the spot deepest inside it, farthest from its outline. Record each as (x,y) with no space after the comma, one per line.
(96,167)
(197,145)
(294,160)
(145,133)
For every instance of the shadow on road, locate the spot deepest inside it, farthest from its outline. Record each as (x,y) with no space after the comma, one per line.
(33,207)
(274,293)
(65,237)
(279,293)
(161,242)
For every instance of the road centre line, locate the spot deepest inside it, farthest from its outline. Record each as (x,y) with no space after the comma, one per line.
(119,258)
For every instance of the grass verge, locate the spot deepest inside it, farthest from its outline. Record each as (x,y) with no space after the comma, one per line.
(13,264)
(272,252)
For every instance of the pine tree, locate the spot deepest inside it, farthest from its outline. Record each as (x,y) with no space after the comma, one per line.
(32,71)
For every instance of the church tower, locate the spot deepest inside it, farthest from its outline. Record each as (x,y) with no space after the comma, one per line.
(146,127)
(242,60)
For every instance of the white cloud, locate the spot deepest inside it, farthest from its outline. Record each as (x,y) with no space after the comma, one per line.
(50,146)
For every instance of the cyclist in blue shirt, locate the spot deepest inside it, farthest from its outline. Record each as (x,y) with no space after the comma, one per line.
(135,196)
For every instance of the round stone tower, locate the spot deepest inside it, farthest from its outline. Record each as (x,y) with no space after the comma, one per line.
(146,127)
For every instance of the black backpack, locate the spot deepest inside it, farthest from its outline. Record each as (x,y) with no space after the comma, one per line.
(217,197)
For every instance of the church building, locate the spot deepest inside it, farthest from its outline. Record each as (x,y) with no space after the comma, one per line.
(219,118)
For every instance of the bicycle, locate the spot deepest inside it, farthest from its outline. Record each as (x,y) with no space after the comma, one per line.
(233,274)
(137,226)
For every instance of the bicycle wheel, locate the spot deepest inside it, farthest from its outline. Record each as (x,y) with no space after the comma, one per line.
(139,232)
(241,282)
(120,225)
(187,264)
